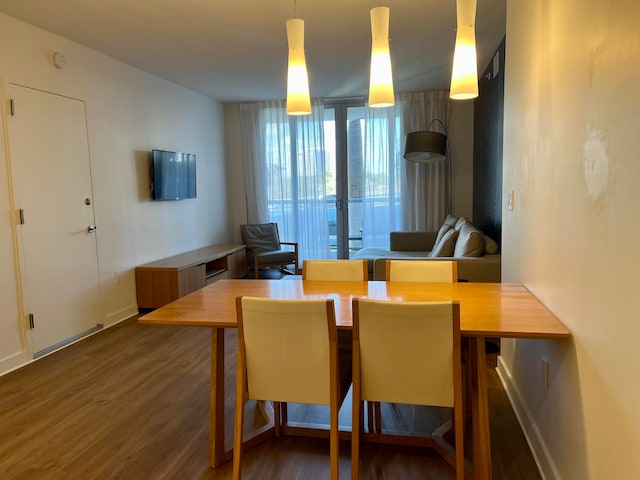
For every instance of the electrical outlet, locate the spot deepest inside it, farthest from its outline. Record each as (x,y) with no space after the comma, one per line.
(544,372)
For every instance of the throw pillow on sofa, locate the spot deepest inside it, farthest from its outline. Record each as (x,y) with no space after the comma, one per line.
(470,242)
(490,245)
(460,222)
(443,229)
(450,220)
(446,245)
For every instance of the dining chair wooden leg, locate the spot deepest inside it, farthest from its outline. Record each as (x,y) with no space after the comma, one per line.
(334,442)
(356,429)
(284,417)
(357,412)
(374,417)
(238,431)
(458,402)
(377,414)
(276,418)
(370,417)
(458,421)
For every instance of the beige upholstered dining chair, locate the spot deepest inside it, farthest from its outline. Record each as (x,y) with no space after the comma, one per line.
(340,271)
(421,271)
(435,271)
(287,352)
(407,352)
(335,270)
(412,271)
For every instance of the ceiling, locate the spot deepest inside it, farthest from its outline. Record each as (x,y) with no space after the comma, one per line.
(236,50)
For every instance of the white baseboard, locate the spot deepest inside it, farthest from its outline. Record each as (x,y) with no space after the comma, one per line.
(21,359)
(546,466)
(12,362)
(119,316)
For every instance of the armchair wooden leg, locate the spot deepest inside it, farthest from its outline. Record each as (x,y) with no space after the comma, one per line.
(256,269)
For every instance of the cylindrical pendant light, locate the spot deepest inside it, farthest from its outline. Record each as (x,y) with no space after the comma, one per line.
(464,76)
(298,101)
(381,78)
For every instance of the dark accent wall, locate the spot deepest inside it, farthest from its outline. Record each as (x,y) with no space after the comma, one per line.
(487,147)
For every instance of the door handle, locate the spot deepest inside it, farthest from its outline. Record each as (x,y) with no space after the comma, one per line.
(91,228)
(341,204)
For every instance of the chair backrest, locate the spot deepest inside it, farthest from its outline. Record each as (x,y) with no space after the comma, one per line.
(406,352)
(421,271)
(264,236)
(335,270)
(289,349)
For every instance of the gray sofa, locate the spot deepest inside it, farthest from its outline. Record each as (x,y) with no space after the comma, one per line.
(483,266)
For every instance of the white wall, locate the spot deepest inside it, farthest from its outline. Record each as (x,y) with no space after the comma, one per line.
(571,156)
(233,145)
(129,113)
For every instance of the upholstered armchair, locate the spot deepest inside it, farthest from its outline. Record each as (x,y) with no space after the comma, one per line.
(264,248)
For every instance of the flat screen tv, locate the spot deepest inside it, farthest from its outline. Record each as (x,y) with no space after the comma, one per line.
(173,175)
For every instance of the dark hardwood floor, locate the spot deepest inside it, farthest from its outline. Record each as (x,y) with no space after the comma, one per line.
(132,403)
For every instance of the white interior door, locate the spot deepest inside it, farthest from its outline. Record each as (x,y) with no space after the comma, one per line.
(52,180)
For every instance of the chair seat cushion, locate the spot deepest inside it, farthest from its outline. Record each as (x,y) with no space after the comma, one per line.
(273,256)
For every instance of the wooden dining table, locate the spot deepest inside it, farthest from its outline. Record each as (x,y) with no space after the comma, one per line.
(486,310)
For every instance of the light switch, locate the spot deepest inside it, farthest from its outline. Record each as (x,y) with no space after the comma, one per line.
(510,199)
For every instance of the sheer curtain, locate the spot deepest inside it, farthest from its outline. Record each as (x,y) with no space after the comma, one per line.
(383,167)
(424,202)
(284,166)
(401,195)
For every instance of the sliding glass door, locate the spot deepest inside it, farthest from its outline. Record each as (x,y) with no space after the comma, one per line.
(344,173)
(331,180)
(335,180)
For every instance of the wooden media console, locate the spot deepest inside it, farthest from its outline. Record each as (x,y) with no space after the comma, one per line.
(166,280)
